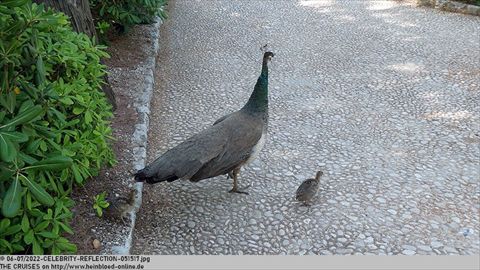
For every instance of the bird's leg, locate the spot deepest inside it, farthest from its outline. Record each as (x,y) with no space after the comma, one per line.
(307,205)
(124,219)
(235,183)
(126,215)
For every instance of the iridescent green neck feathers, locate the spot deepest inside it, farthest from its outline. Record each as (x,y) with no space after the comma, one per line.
(258,101)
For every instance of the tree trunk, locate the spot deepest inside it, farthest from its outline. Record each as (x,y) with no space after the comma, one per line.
(82,22)
(78,11)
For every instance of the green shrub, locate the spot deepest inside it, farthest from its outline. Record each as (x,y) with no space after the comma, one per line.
(125,13)
(54,125)
(100,202)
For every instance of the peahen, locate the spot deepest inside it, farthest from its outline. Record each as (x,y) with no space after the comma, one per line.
(231,142)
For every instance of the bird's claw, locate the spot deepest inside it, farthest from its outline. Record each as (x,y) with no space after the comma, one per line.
(240,191)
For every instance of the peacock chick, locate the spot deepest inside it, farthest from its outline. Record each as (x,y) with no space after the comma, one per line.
(307,190)
(120,207)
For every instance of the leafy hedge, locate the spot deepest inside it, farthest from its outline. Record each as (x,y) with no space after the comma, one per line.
(54,125)
(125,13)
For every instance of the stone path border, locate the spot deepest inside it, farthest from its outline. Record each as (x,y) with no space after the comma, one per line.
(139,139)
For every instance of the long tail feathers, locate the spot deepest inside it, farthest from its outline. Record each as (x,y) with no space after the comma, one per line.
(141,176)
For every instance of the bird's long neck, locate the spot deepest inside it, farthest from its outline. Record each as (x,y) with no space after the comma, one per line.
(258,101)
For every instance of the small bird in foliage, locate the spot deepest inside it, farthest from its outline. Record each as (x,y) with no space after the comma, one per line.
(232,142)
(307,190)
(120,207)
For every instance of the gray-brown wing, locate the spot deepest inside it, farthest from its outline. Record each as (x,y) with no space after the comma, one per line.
(223,118)
(243,132)
(307,189)
(185,159)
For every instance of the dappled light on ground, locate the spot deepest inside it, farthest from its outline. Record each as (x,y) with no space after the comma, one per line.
(381,5)
(459,115)
(316,3)
(408,67)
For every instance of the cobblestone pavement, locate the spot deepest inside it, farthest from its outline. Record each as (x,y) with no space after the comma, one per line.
(381,95)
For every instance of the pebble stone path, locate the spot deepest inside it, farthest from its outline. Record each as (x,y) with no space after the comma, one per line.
(382,96)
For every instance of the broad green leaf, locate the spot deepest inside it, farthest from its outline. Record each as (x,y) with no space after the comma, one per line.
(6,244)
(8,101)
(6,10)
(15,136)
(78,110)
(33,146)
(12,200)
(65,215)
(45,131)
(6,173)
(40,74)
(61,117)
(11,101)
(56,250)
(55,227)
(26,105)
(42,226)
(36,213)
(66,100)
(25,224)
(24,117)
(38,192)
(28,238)
(49,215)
(29,201)
(99,210)
(78,177)
(53,183)
(48,235)
(63,244)
(65,228)
(29,88)
(14,3)
(88,117)
(8,152)
(17,247)
(4,224)
(27,158)
(53,163)
(30,132)
(37,248)
(13,229)
(58,207)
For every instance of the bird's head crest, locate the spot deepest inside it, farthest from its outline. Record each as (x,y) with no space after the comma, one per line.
(266,52)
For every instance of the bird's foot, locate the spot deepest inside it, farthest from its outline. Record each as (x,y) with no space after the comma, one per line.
(240,191)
